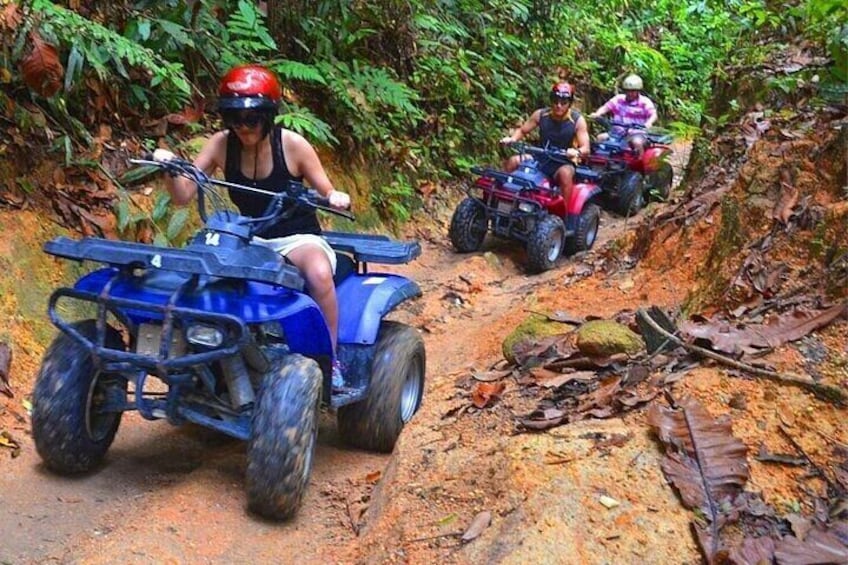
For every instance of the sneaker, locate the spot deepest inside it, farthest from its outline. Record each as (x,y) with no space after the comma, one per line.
(338,374)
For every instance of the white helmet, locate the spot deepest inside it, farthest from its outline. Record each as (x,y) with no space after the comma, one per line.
(632,82)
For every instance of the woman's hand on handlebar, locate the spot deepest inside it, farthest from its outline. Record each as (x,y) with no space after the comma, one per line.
(338,200)
(163,155)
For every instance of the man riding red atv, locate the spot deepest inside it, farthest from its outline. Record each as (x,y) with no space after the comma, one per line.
(629,153)
(629,178)
(524,205)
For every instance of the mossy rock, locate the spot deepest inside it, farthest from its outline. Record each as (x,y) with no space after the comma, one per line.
(533,328)
(603,338)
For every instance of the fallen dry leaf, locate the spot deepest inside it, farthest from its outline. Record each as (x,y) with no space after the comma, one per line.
(483,393)
(6,440)
(608,502)
(786,202)
(480,522)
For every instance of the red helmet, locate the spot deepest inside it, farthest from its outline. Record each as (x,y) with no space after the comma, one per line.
(249,87)
(562,91)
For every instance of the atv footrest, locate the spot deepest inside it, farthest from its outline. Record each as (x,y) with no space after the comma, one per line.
(367,248)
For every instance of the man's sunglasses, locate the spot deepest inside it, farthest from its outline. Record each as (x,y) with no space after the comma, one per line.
(245,119)
(560,100)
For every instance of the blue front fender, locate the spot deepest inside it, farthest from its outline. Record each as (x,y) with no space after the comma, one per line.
(365,299)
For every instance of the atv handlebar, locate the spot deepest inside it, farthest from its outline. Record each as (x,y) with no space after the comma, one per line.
(550,151)
(609,124)
(295,193)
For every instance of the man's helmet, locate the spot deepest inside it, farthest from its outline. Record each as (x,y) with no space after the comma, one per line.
(249,87)
(562,91)
(632,82)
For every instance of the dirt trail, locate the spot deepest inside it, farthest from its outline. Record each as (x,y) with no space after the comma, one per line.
(169,493)
(176,494)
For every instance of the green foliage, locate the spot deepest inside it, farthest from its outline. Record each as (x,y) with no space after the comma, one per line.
(249,36)
(419,89)
(828,23)
(395,200)
(295,70)
(368,100)
(306,123)
(106,51)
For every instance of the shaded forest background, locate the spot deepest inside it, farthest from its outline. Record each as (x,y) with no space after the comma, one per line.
(413,92)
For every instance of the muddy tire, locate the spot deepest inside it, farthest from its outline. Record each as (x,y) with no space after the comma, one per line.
(631,195)
(283,434)
(545,245)
(395,392)
(468,226)
(587,230)
(71,432)
(659,183)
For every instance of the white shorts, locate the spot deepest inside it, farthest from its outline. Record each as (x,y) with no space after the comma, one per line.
(285,245)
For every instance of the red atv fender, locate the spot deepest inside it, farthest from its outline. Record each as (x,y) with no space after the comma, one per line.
(652,159)
(581,193)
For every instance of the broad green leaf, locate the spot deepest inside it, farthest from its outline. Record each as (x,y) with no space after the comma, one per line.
(177,223)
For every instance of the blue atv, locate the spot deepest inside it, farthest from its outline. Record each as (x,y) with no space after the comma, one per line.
(221,334)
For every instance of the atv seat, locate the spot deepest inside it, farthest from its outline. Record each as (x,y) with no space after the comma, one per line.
(368,248)
(583,173)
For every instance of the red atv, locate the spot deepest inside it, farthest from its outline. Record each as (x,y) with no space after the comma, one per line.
(629,180)
(524,206)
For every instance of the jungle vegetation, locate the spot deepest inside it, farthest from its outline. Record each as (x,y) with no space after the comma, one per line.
(417,89)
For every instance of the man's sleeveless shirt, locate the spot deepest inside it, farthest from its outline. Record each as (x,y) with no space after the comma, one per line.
(559,133)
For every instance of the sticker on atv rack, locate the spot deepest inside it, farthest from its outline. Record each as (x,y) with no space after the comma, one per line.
(156,261)
(213,239)
(373,280)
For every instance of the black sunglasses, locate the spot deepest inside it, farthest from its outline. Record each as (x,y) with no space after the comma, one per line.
(246,119)
(560,99)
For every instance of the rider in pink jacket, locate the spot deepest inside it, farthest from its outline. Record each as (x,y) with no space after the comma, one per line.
(632,107)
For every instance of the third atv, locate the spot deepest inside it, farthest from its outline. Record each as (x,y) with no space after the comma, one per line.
(629,179)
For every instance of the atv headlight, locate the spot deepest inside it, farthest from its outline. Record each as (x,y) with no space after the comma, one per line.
(527,207)
(206,336)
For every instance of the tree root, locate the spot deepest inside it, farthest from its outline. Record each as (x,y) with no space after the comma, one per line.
(828,393)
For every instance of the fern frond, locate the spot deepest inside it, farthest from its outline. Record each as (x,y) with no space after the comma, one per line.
(304,122)
(295,70)
(248,30)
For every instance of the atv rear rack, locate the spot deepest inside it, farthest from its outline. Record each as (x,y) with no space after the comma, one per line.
(212,261)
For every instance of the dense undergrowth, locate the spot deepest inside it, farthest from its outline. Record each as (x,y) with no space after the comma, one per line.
(412,92)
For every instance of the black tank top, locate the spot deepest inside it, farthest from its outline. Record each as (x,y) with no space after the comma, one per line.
(303,219)
(559,133)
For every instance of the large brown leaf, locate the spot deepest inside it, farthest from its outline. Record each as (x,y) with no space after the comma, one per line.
(792,325)
(41,69)
(706,464)
(819,546)
(753,551)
